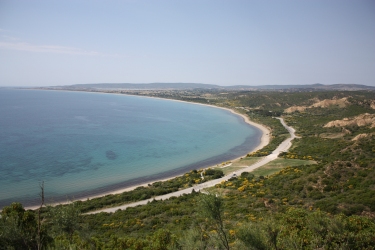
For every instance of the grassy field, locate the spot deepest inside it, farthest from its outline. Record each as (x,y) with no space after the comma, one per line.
(278,164)
(268,169)
(236,165)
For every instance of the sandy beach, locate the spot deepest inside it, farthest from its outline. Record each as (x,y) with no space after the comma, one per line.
(263,142)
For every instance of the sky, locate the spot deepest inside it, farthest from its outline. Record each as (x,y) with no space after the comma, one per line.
(223,42)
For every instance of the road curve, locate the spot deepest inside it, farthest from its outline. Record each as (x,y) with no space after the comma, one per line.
(283,147)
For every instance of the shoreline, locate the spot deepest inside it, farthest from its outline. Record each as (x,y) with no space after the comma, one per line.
(264,140)
(284,146)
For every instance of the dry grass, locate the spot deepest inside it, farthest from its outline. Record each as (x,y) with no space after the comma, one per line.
(278,164)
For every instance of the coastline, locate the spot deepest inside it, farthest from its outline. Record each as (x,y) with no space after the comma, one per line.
(264,140)
(284,146)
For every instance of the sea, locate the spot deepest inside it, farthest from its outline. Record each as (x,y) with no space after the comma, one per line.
(81,144)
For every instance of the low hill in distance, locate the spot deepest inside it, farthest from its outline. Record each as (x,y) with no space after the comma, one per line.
(191,86)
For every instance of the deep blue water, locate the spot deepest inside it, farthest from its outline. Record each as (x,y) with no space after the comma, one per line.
(82,144)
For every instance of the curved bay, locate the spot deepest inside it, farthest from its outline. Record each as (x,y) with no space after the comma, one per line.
(82,144)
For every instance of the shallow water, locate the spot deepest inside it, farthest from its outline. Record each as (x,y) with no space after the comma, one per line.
(82,144)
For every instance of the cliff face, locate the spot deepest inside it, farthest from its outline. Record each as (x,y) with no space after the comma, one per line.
(322,104)
(360,136)
(326,103)
(360,120)
(295,108)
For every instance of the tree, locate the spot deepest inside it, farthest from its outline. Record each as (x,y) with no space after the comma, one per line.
(162,240)
(252,236)
(212,206)
(40,232)
(64,219)
(18,227)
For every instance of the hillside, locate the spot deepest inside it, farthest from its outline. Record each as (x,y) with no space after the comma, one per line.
(143,86)
(318,195)
(202,86)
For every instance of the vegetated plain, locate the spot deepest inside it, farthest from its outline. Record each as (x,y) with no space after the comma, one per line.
(319,195)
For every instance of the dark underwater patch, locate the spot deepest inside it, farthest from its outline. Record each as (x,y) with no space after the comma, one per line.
(111,155)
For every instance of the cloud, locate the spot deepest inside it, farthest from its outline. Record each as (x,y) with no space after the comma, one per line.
(10,38)
(22,46)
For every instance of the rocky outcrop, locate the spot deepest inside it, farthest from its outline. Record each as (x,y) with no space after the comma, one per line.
(360,120)
(360,136)
(343,102)
(326,103)
(295,108)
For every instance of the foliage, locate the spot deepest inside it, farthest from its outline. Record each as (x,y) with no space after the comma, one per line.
(212,207)
(300,229)
(212,174)
(19,228)
(64,220)
(278,134)
(155,189)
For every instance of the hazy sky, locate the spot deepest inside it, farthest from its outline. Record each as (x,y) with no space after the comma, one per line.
(224,42)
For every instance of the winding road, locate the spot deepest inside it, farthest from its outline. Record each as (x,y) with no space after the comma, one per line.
(283,147)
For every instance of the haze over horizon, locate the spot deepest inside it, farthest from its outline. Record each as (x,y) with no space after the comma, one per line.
(49,43)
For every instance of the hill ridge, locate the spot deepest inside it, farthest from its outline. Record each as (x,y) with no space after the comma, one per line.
(189,86)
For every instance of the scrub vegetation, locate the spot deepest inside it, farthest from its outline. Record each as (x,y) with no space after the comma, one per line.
(318,195)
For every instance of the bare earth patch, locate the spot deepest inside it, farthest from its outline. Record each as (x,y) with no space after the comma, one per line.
(326,103)
(360,136)
(360,120)
(343,102)
(332,135)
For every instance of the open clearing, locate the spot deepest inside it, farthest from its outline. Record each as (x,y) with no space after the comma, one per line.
(268,169)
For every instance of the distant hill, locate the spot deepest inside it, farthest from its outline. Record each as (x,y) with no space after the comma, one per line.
(145,86)
(316,86)
(190,86)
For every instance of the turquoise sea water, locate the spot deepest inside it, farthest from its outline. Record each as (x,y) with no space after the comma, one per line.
(82,144)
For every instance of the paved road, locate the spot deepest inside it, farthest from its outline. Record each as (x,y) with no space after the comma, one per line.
(284,146)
